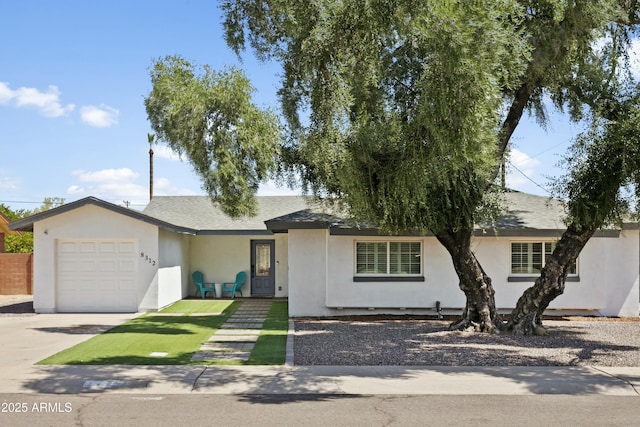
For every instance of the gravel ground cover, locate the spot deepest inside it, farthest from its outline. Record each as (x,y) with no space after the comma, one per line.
(423,342)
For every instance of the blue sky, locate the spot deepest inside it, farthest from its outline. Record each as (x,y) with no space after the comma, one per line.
(73,76)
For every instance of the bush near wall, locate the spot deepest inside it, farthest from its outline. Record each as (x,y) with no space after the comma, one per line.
(16,274)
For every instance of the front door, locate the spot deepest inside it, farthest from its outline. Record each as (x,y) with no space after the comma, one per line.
(263,267)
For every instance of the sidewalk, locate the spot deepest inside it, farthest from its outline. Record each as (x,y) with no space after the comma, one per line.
(330,380)
(28,338)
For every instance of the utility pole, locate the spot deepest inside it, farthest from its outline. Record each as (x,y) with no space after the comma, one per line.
(151,138)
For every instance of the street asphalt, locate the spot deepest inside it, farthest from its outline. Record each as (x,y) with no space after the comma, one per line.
(28,338)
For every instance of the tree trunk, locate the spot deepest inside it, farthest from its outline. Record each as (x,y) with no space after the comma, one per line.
(480,309)
(526,318)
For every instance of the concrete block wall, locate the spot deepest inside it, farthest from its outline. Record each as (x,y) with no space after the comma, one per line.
(16,274)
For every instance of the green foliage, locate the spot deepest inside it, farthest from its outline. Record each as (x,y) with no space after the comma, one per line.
(17,243)
(23,243)
(49,203)
(397,107)
(603,181)
(10,214)
(403,99)
(209,118)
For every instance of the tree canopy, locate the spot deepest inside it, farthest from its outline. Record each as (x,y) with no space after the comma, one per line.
(403,99)
(208,117)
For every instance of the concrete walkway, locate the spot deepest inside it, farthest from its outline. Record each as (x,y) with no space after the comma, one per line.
(29,338)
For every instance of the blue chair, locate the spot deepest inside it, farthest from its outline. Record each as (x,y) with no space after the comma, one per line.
(201,285)
(236,286)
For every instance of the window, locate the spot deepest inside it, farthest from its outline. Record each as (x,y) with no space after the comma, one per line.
(388,258)
(530,257)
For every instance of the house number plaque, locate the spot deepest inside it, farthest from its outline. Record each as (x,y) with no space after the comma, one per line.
(147,258)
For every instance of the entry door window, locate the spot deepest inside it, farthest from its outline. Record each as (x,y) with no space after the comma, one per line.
(263,259)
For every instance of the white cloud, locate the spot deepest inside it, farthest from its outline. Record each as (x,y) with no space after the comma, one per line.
(8,184)
(270,188)
(113,185)
(166,152)
(75,190)
(525,164)
(5,93)
(164,187)
(48,103)
(101,117)
(119,185)
(121,175)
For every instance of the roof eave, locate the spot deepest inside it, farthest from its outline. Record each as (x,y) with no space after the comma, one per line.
(26,224)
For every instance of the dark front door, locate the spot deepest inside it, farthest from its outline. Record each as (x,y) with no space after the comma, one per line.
(263,267)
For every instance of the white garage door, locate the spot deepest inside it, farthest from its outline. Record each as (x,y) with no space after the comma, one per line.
(96,275)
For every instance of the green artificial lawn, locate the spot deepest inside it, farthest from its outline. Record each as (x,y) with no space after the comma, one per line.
(271,347)
(133,342)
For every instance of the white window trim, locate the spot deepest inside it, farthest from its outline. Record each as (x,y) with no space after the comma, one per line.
(530,275)
(387,275)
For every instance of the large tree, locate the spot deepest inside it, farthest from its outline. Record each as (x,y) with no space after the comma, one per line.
(602,186)
(208,117)
(402,102)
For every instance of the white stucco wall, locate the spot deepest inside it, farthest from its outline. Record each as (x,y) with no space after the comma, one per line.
(321,271)
(88,222)
(171,282)
(608,274)
(220,258)
(308,273)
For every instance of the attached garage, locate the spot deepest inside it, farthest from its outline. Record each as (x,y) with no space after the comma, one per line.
(93,256)
(97,275)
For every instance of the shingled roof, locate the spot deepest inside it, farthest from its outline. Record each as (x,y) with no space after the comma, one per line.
(525,214)
(200,213)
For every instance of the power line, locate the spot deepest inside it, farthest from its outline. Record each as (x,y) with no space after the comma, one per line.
(540,153)
(128,204)
(525,175)
(18,201)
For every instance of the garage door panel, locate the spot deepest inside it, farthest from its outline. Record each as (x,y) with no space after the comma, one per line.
(67,247)
(108,247)
(97,275)
(87,247)
(66,266)
(86,266)
(127,266)
(71,285)
(79,304)
(126,284)
(109,266)
(128,248)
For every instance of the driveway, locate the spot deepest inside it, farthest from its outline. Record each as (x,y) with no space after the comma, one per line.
(28,338)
